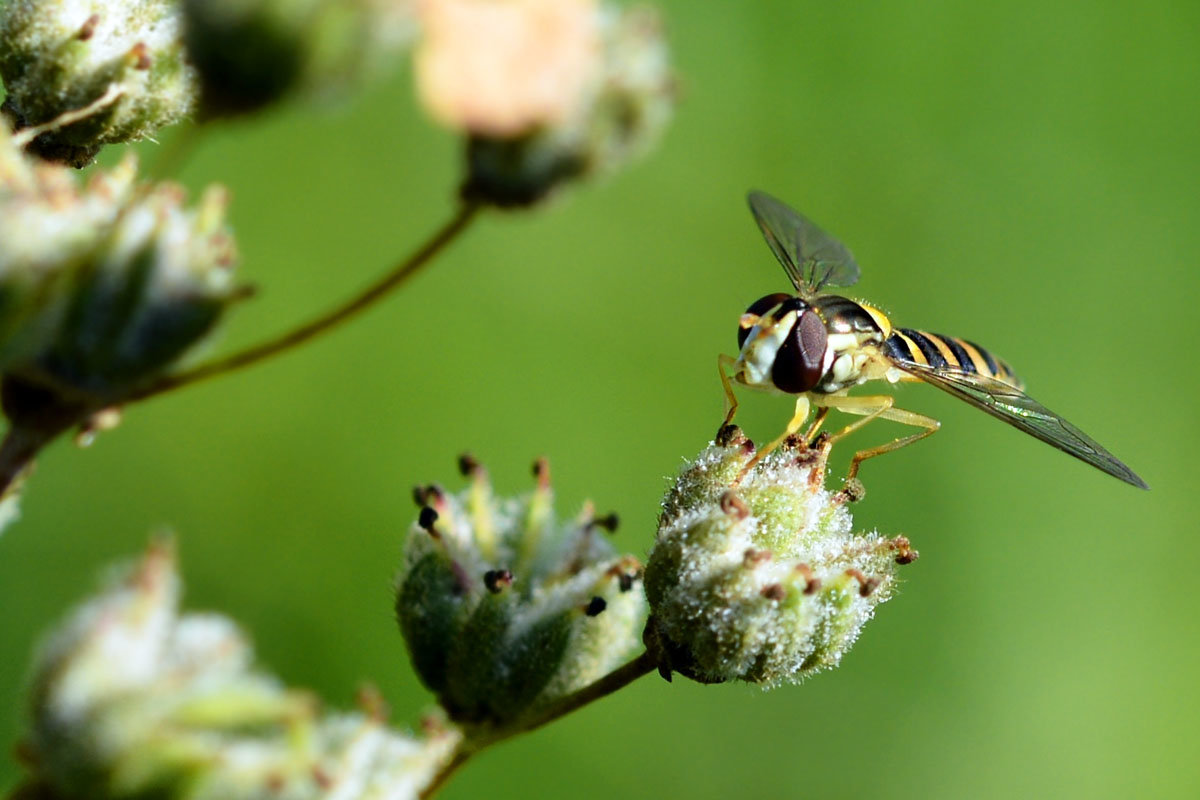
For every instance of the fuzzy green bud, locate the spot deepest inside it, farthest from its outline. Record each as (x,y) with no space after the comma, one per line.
(103,289)
(755,574)
(132,699)
(545,91)
(504,609)
(251,53)
(111,71)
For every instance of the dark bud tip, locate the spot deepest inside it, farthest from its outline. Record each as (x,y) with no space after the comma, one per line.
(752,558)
(852,492)
(734,506)
(276,784)
(427,518)
(865,585)
(89,28)
(904,552)
(140,54)
(371,701)
(730,436)
(497,580)
(607,522)
(774,592)
(794,442)
(541,471)
(467,465)
(811,584)
(595,607)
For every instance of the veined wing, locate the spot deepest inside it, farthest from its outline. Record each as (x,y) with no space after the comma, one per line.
(1018,409)
(810,256)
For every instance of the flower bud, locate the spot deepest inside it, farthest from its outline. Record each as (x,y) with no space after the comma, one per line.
(757,576)
(251,53)
(503,608)
(116,65)
(545,91)
(132,699)
(102,288)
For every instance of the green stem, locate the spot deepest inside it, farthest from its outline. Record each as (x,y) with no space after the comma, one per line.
(617,679)
(326,322)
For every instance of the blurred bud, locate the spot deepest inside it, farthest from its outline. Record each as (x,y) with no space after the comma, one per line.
(251,53)
(102,288)
(130,699)
(110,71)
(504,609)
(545,91)
(761,580)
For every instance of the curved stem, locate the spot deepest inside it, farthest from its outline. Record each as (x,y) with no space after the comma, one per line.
(617,679)
(326,322)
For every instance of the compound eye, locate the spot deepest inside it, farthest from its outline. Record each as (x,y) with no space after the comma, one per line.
(758,308)
(800,361)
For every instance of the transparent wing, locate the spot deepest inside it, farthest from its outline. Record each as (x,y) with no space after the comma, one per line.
(1024,413)
(810,256)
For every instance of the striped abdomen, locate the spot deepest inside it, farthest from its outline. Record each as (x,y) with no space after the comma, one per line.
(947,352)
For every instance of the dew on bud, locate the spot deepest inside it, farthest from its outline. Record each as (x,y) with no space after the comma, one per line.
(757,577)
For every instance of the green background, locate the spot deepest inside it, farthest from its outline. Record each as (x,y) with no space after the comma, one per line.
(1023,174)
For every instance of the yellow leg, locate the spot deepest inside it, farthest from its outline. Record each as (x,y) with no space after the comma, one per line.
(811,433)
(802,407)
(877,407)
(723,362)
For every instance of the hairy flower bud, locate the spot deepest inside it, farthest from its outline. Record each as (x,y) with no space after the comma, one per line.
(117,66)
(545,91)
(251,53)
(757,577)
(504,609)
(103,289)
(131,699)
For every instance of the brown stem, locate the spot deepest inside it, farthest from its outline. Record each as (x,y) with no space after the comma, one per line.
(328,321)
(617,679)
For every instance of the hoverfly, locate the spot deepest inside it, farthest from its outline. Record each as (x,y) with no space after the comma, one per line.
(818,346)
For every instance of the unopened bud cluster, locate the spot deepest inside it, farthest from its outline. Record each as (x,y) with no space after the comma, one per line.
(118,64)
(755,574)
(131,699)
(104,286)
(505,609)
(545,91)
(251,53)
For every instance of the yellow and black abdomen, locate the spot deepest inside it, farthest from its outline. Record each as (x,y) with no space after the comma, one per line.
(907,345)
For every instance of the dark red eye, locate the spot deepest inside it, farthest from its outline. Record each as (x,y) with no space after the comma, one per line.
(800,362)
(758,308)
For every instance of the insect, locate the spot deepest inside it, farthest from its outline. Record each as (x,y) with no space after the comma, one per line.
(818,346)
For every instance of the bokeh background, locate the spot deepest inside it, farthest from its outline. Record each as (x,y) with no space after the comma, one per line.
(1021,173)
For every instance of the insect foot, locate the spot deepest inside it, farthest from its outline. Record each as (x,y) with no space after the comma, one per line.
(505,609)
(79,81)
(132,698)
(760,580)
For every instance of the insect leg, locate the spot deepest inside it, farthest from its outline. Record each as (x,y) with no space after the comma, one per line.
(724,361)
(811,433)
(802,407)
(880,407)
